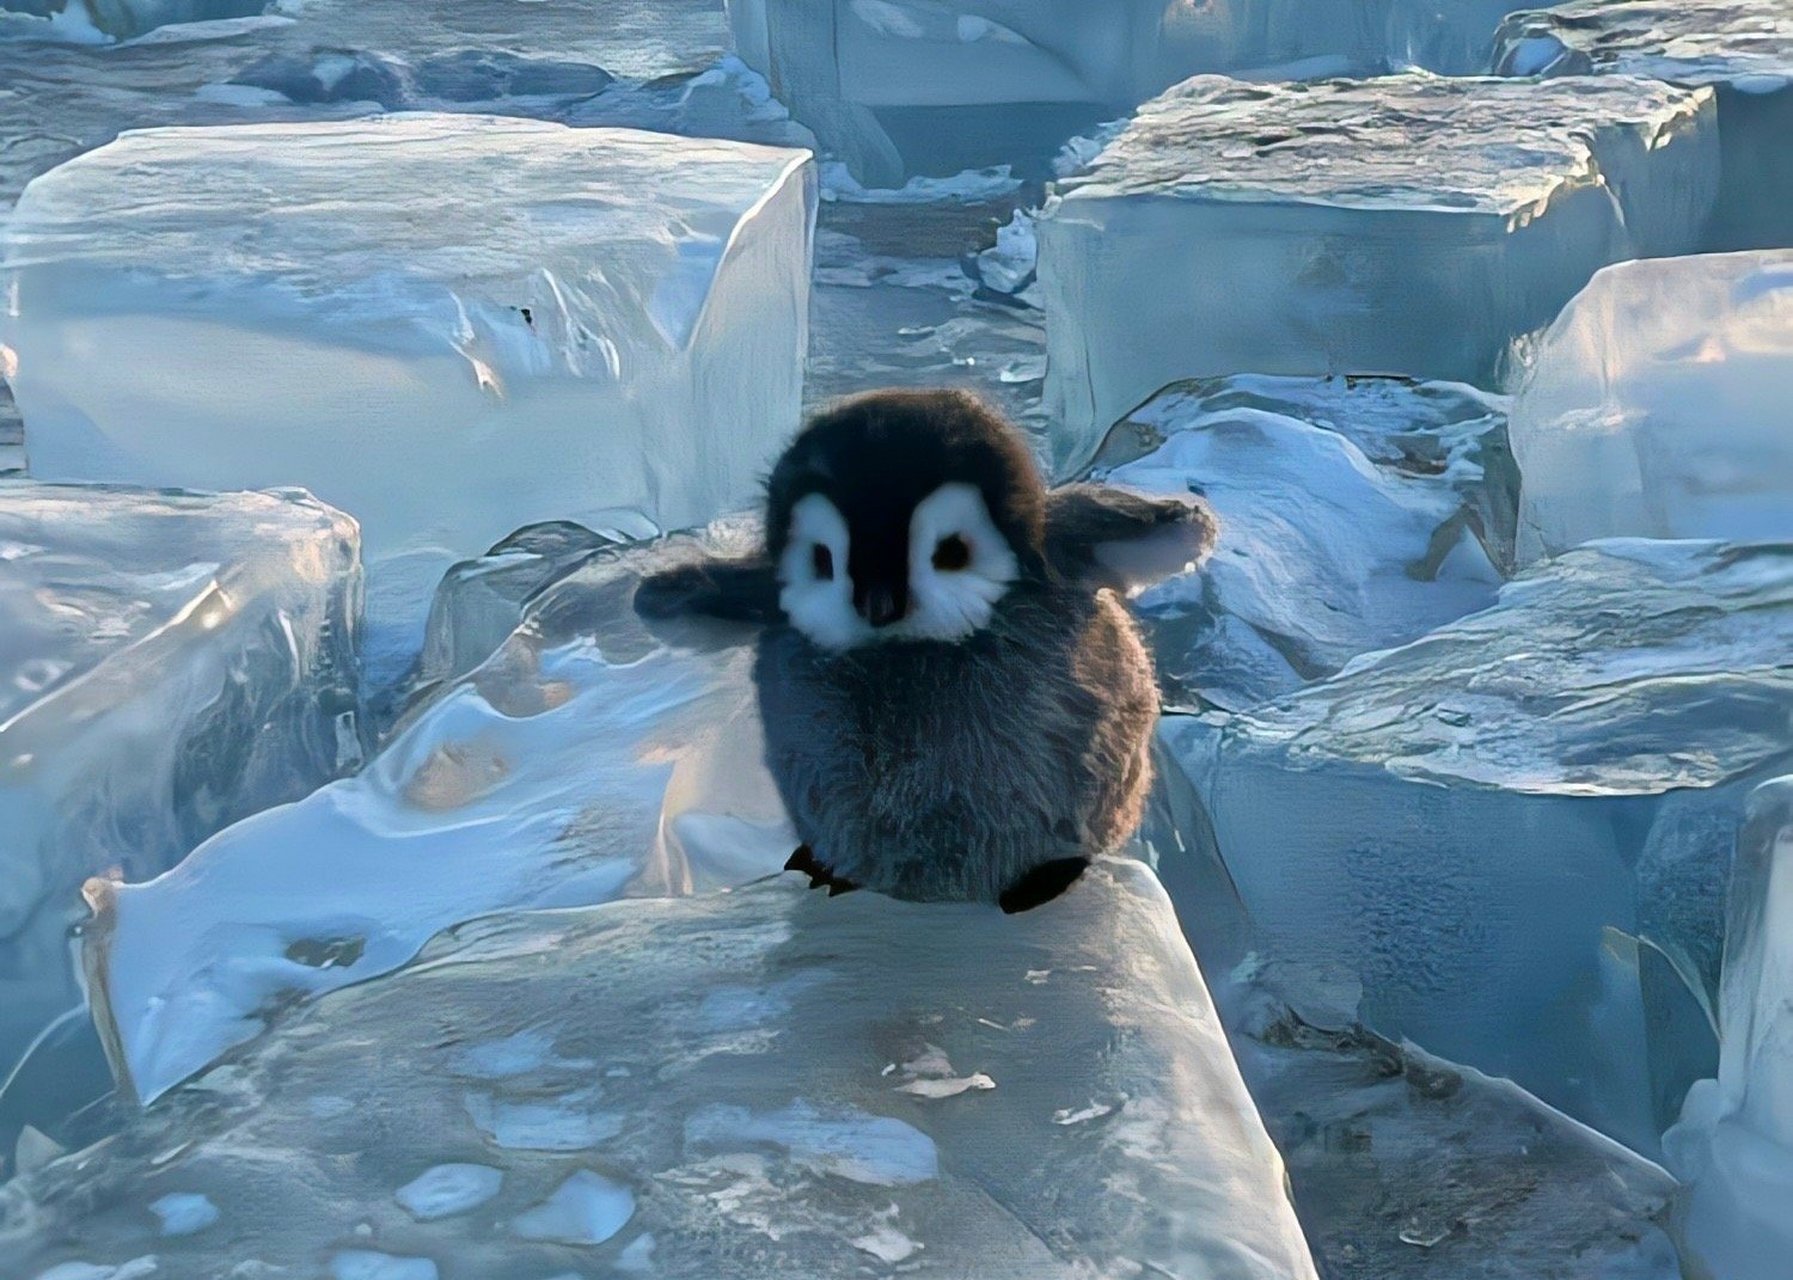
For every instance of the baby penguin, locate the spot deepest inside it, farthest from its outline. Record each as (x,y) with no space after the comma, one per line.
(957,704)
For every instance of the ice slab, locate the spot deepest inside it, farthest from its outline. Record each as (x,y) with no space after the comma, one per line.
(169,663)
(753,1052)
(897,87)
(1352,227)
(1734,1146)
(586,760)
(1657,406)
(606,325)
(1741,48)
(1460,821)
(1356,514)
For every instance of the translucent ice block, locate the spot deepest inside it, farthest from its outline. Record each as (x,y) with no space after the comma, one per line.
(1355,514)
(1741,48)
(510,321)
(932,86)
(584,761)
(761,1084)
(169,663)
(1460,820)
(1734,1146)
(1657,406)
(1355,227)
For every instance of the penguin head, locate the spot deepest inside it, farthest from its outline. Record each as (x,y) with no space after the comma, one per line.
(903,515)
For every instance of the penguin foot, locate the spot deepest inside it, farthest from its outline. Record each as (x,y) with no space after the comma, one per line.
(804,860)
(1042,884)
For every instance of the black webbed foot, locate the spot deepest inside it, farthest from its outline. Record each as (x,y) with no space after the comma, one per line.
(1041,885)
(804,860)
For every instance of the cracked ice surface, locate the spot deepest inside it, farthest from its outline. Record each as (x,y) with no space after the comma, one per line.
(756,1137)
(1734,1145)
(1405,225)
(585,761)
(1458,821)
(1741,48)
(169,663)
(1657,406)
(631,307)
(1356,514)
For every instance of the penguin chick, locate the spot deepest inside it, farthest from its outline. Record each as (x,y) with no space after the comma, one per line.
(957,704)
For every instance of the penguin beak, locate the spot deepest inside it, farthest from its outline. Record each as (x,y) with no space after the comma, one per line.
(881,605)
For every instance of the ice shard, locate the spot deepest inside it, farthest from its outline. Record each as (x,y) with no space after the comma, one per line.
(1352,227)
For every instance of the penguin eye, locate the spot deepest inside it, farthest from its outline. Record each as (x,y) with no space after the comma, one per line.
(951,554)
(821,560)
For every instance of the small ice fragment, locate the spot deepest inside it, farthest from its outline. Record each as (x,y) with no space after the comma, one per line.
(184,1213)
(845,1141)
(448,1189)
(887,1244)
(368,1264)
(1038,976)
(1068,1116)
(556,1124)
(951,1087)
(587,1208)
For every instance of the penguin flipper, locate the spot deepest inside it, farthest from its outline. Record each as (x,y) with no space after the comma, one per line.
(728,590)
(1116,538)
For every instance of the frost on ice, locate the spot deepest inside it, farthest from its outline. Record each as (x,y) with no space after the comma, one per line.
(1357,513)
(1354,227)
(1459,822)
(169,663)
(1657,406)
(1734,1145)
(608,326)
(771,1150)
(584,761)
(1743,49)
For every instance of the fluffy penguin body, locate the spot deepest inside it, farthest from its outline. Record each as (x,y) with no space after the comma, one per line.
(957,704)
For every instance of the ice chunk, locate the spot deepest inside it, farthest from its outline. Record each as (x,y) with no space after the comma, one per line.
(586,1209)
(1459,821)
(1741,48)
(1356,514)
(169,663)
(1734,1145)
(897,87)
(748,1155)
(585,760)
(444,1190)
(183,1213)
(1352,227)
(1657,406)
(606,324)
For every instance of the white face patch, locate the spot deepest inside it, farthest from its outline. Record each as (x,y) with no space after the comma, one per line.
(819,604)
(959,567)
